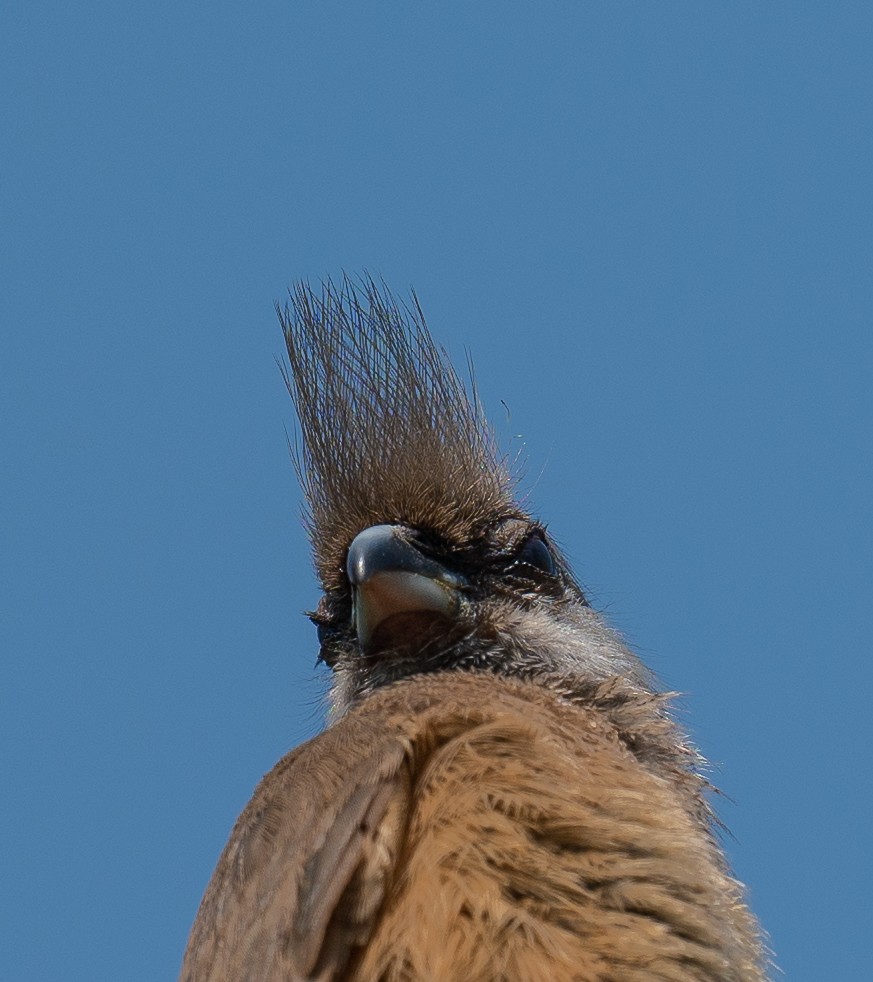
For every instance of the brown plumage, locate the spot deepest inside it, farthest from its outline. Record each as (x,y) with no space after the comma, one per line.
(501,794)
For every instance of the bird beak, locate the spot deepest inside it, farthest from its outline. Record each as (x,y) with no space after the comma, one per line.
(399,593)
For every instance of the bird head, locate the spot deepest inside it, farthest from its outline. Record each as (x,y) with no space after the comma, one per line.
(426,558)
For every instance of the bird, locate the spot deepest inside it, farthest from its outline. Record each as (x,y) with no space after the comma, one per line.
(501,791)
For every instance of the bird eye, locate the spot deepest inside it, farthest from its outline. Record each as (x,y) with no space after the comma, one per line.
(536,553)
(326,628)
(328,634)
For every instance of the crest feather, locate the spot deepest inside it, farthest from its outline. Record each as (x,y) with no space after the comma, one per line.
(390,433)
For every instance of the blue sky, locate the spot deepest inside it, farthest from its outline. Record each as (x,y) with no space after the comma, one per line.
(651,226)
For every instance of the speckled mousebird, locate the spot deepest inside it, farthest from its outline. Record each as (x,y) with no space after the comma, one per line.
(500,792)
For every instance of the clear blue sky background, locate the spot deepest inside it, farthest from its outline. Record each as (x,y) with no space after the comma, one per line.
(651,225)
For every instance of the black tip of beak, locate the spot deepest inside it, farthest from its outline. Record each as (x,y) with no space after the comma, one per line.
(387,548)
(390,577)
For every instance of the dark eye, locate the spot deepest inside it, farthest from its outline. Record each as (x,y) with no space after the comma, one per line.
(328,634)
(537,554)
